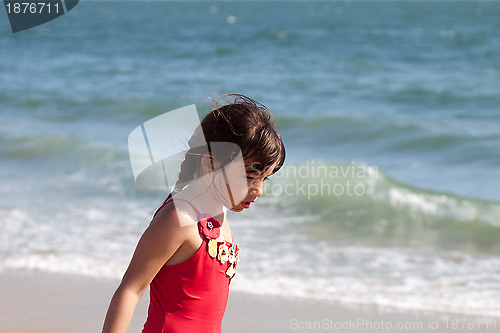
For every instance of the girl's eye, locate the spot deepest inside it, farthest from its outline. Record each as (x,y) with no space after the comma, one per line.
(254,178)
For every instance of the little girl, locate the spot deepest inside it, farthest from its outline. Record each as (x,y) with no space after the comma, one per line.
(187,255)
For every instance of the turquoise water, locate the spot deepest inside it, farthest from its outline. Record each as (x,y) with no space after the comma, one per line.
(403,94)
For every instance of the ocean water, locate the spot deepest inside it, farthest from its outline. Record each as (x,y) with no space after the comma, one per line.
(390,112)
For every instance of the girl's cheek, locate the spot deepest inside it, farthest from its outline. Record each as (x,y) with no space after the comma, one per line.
(232,183)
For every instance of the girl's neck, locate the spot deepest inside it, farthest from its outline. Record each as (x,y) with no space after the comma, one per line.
(204,198)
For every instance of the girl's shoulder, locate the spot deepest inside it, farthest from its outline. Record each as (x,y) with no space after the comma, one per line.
(175,215)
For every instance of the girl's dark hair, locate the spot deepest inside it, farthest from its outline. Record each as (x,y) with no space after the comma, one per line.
(241,121)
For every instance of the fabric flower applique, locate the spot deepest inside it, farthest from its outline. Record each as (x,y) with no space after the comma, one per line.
(223,253)
(234,252)
(212,248)
(231,271)
(236,255)
(209,226)
(217,247)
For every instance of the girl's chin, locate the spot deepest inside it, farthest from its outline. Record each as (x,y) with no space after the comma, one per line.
(238,208)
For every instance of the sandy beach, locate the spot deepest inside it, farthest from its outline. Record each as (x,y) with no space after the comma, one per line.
(42,302)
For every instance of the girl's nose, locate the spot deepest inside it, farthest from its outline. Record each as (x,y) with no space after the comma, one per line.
(256,189)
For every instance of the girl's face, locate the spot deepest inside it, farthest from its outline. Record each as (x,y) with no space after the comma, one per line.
(255,179)
(239,183)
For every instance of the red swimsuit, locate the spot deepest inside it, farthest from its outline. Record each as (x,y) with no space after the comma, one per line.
(191,297)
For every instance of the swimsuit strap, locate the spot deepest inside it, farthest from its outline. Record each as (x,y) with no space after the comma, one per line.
(192,206)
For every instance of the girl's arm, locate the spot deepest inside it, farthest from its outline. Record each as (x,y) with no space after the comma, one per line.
(159,242)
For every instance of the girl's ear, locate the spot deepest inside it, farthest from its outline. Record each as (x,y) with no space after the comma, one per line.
(208,163)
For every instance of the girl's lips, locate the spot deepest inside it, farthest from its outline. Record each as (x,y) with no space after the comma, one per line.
(246,204)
